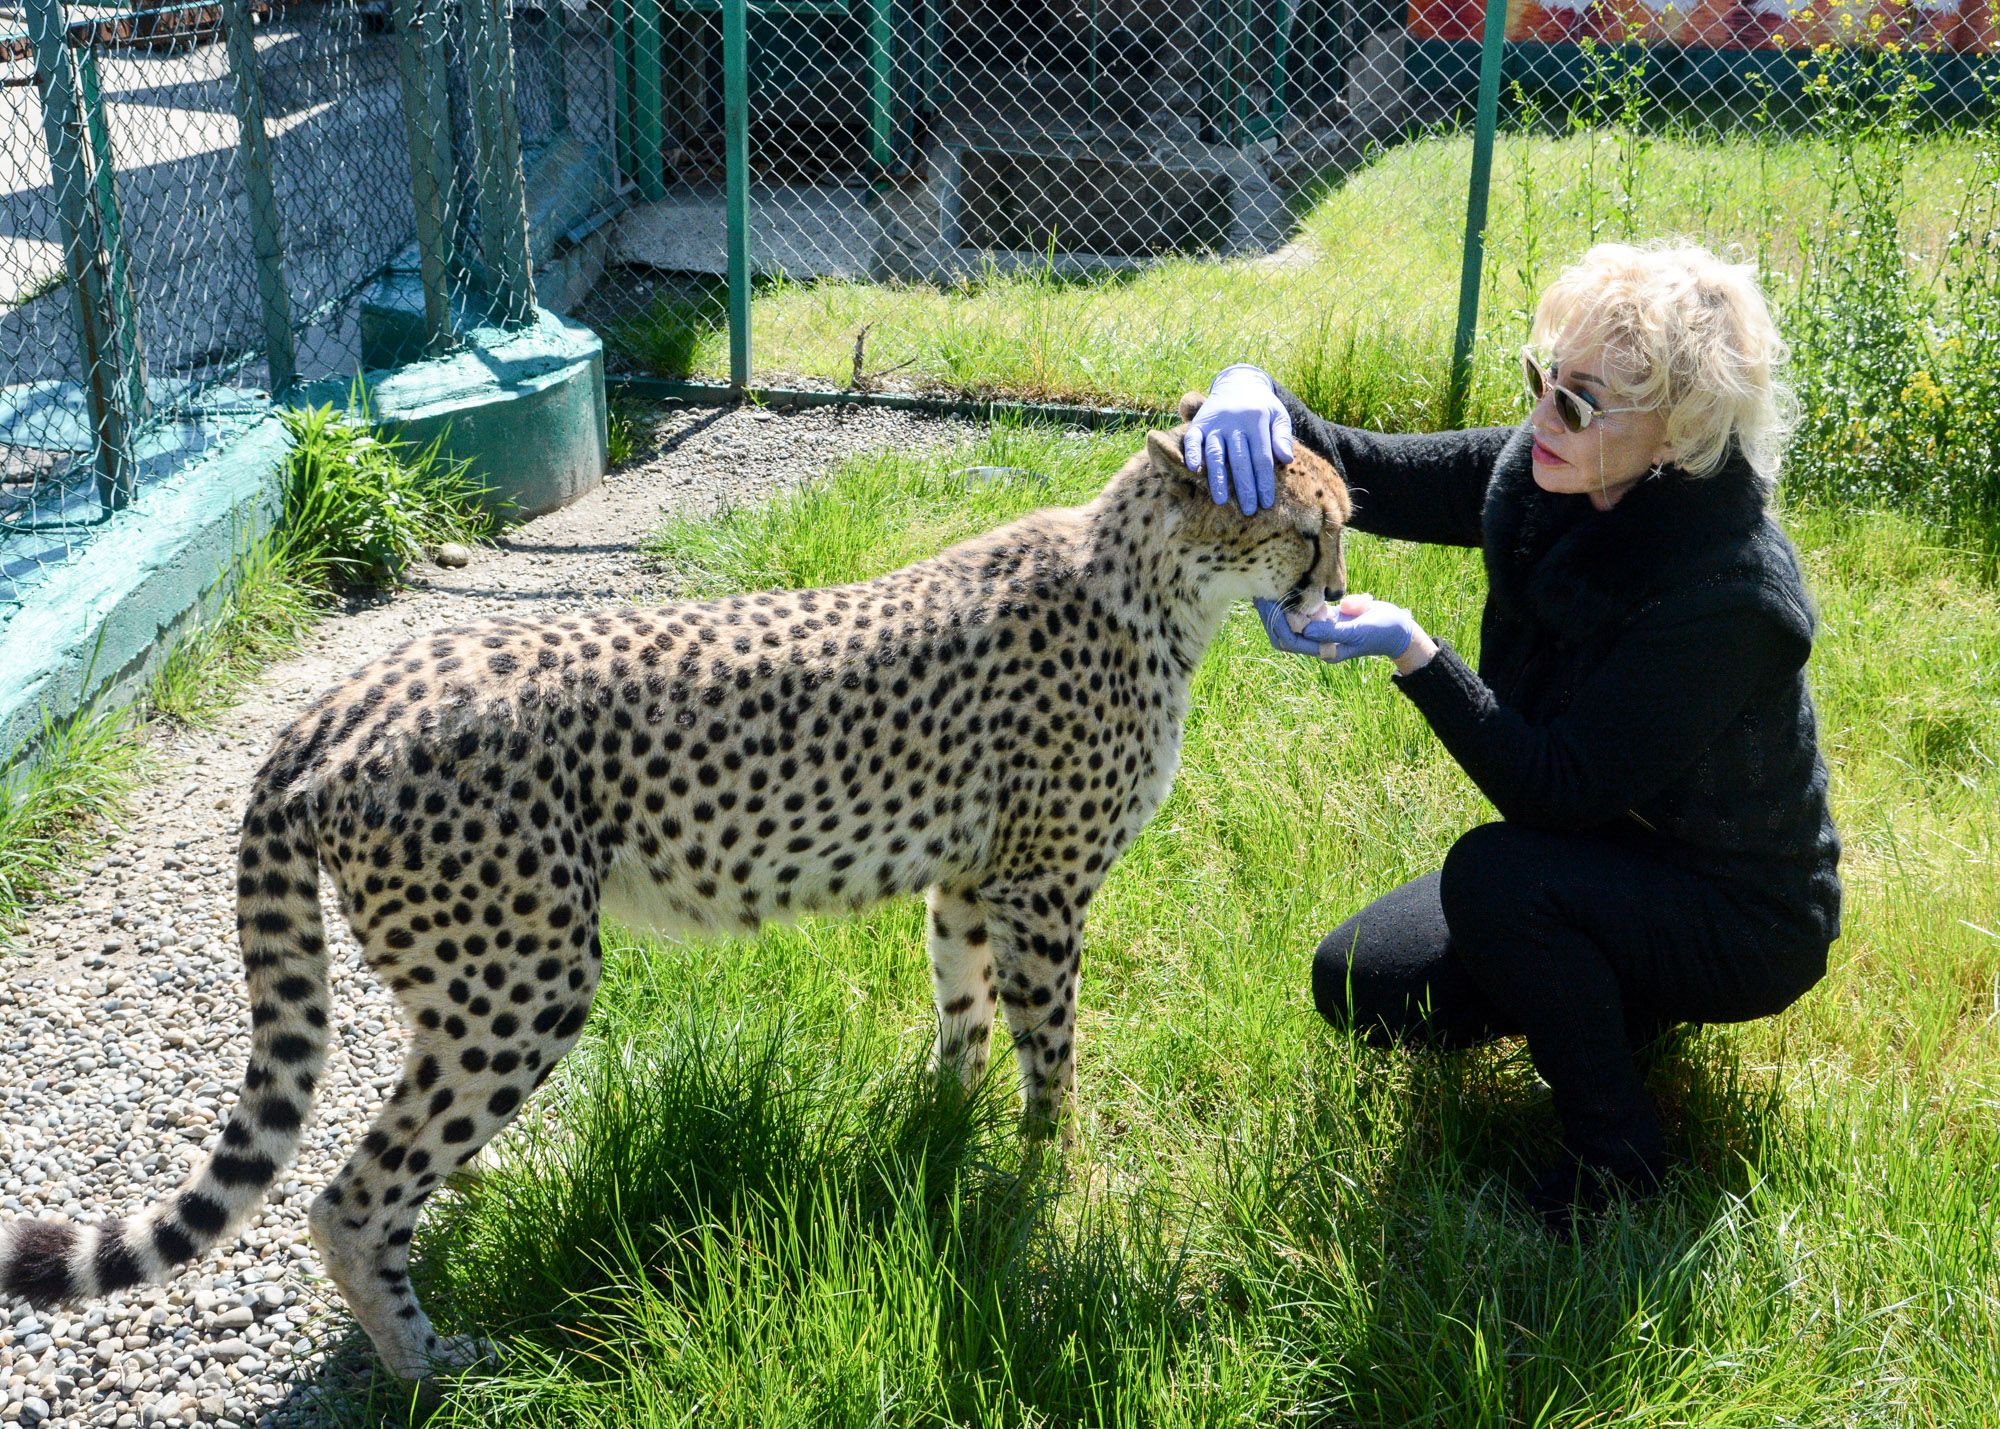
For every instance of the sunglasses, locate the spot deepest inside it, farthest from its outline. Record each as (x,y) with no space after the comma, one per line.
(1575,410)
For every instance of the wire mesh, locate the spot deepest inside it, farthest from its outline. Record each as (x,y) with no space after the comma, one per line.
(1102,202)
(1046,199)
(1084,201)
(190,216)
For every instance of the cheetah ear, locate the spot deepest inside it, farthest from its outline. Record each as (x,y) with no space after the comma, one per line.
(1163,449)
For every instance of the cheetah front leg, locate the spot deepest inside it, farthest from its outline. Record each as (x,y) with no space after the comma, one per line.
(961,948)
(1038,931)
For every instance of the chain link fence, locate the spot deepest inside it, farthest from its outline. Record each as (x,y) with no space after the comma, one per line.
(206,204)
(1082,202)
(1100,202)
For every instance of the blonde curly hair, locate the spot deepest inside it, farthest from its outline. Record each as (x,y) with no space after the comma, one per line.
(1687,333)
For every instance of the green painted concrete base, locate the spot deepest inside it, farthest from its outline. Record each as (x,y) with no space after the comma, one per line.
(94,629)
(527,407)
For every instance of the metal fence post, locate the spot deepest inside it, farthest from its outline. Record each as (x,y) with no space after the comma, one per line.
(110,220)
(648,113)
(881,86)
(1458,385)
(266,237)
(503,203)
(420,39)
(69,171)
(736,158)
(623,160)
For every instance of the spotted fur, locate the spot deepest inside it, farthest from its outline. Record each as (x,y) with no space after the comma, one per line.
(993,725)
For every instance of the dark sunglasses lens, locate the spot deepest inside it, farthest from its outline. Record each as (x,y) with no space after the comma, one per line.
(1571,411)
(1568,409)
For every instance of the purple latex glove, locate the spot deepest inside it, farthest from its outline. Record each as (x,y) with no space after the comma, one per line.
(1236,438)
(1363,626)
(1280,632)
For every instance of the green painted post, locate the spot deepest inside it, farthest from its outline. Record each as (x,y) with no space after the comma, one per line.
(503,205)
(1281,66)
(736,158)
(266,237)
(649,130)
(623,157)
(882,86)
(124,305)
(435,75)
(419,30)
(1093,78)
(519,255)
(935,89)
(1458,386)
(1239,71)
(63,130)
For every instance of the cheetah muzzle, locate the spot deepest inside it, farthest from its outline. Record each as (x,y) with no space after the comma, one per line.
(992,725)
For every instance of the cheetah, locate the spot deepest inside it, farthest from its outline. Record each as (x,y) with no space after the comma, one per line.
(991,726)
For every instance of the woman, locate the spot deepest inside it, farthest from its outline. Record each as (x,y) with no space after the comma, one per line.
(1639,717)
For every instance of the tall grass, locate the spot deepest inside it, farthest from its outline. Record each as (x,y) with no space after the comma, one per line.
(360,503)
(741,1202)
(56,811)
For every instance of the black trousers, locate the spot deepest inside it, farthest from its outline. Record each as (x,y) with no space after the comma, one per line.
(1584,947)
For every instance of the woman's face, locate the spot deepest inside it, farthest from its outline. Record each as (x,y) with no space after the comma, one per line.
(1610,456)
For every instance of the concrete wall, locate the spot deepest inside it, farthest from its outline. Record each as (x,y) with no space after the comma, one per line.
(527,407)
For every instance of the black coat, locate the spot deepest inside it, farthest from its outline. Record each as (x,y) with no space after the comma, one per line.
(1641,670)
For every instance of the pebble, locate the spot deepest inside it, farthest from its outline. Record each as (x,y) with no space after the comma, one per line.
(123,1028)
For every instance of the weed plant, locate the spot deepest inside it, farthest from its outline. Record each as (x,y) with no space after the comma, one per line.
(360,505)
(57,810)
(742,1202)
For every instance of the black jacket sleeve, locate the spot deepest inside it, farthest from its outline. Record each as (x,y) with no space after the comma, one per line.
(1428,486)
(1663,694)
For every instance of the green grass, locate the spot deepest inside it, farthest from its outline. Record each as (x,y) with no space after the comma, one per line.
(1374,263)
(1873,233)
(740,1202)
(256,615)
(57,811)
(361,504)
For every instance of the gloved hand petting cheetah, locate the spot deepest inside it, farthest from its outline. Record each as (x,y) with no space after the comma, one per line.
(993,725)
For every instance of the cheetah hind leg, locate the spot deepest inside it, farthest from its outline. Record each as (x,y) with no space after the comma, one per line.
(454,1096)
(961,950)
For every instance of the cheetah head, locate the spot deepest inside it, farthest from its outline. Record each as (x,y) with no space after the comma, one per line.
(1290,552)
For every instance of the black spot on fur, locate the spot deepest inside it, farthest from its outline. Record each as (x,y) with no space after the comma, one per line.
(172,1243)
(201,1214)
(243,1170)
(116,1266)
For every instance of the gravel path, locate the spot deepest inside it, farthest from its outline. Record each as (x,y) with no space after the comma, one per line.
(122,1018)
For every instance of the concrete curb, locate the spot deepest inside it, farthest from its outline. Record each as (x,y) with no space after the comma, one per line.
(527,407)
(99,626)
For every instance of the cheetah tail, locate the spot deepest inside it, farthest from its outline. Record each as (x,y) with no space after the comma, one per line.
(285,963)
